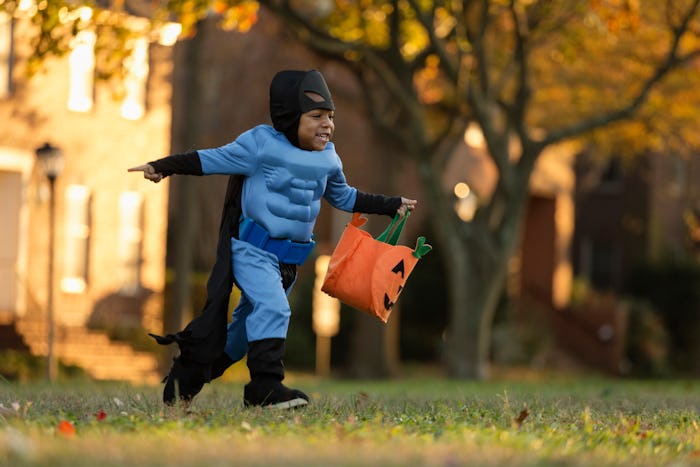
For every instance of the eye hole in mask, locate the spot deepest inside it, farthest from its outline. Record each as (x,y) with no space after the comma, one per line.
(314,96)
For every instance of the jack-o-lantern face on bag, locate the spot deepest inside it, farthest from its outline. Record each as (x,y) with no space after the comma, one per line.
(399,269)
(389,278)
(369,274)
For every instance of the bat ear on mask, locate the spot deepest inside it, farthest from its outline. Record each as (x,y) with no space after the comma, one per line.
(314,93)
(294,92)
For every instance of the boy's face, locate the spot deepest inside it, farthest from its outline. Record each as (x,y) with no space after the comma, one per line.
(316,129)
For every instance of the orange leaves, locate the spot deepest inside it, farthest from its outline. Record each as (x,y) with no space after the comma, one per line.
(240,17)
(219,7)
(518,421)
(66,428)
(618,15)
(428,81)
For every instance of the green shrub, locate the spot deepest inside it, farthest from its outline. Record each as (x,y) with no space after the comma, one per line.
(647,346)
(25,367)
(673,289)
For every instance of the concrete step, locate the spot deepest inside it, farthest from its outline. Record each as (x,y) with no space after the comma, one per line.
(93,351)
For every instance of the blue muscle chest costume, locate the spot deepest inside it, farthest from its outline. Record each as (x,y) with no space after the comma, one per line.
(284,184)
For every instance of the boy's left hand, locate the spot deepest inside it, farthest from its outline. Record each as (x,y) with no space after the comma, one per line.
(406,205)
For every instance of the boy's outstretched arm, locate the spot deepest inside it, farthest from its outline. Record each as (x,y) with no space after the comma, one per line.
(187,163)
(149,172)
(371,203)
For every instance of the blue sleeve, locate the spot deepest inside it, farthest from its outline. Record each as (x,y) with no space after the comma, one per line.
(338,193)
(237,157)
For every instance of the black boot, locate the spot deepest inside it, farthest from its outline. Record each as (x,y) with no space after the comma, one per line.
(185,380)
(266,375)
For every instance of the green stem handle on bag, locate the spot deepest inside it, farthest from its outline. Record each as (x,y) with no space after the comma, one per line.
(396,225)
(422,248)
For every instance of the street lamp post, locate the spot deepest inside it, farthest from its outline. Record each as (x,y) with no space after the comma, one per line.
(51,161)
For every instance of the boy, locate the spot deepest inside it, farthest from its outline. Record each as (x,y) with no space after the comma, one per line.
(281,173)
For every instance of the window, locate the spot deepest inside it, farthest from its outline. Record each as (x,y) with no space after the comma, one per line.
(134,103)
(600,263)
(612,177)
(130,236)
(5,55)
(77,233)
(82,69)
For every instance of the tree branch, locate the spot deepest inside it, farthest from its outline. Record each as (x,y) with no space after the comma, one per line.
(308,33)
(483,102)
(479,47)
(446,62)
(671,61)
(379,114)
(321,42)
(523,93)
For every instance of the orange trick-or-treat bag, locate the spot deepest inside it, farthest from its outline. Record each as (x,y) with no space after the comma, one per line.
(368,273)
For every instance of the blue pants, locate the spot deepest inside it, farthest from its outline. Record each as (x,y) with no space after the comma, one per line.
(263,311)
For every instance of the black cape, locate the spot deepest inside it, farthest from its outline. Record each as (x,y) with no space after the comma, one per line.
(204,338)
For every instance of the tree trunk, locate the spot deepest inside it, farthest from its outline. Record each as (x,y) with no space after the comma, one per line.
(478,276)
(474,295)
(475,274)
(373,355)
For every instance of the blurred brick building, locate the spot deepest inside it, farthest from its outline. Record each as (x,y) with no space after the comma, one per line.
(110,228)
(633,209)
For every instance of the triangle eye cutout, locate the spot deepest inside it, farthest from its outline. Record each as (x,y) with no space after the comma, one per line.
(399,268)
(314,96)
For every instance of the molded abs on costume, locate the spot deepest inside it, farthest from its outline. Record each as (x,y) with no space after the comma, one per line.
(284,184)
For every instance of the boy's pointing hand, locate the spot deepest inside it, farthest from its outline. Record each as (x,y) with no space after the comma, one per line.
(149,172)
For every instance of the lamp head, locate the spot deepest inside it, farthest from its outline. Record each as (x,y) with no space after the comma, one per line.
(51,160)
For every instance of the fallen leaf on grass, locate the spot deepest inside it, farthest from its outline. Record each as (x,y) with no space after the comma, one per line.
(362,399)
(66,428)
(521,418)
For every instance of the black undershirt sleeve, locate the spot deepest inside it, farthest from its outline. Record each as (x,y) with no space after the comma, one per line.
(370,203)
(187,163)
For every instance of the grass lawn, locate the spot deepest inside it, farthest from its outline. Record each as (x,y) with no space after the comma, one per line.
(414,421)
